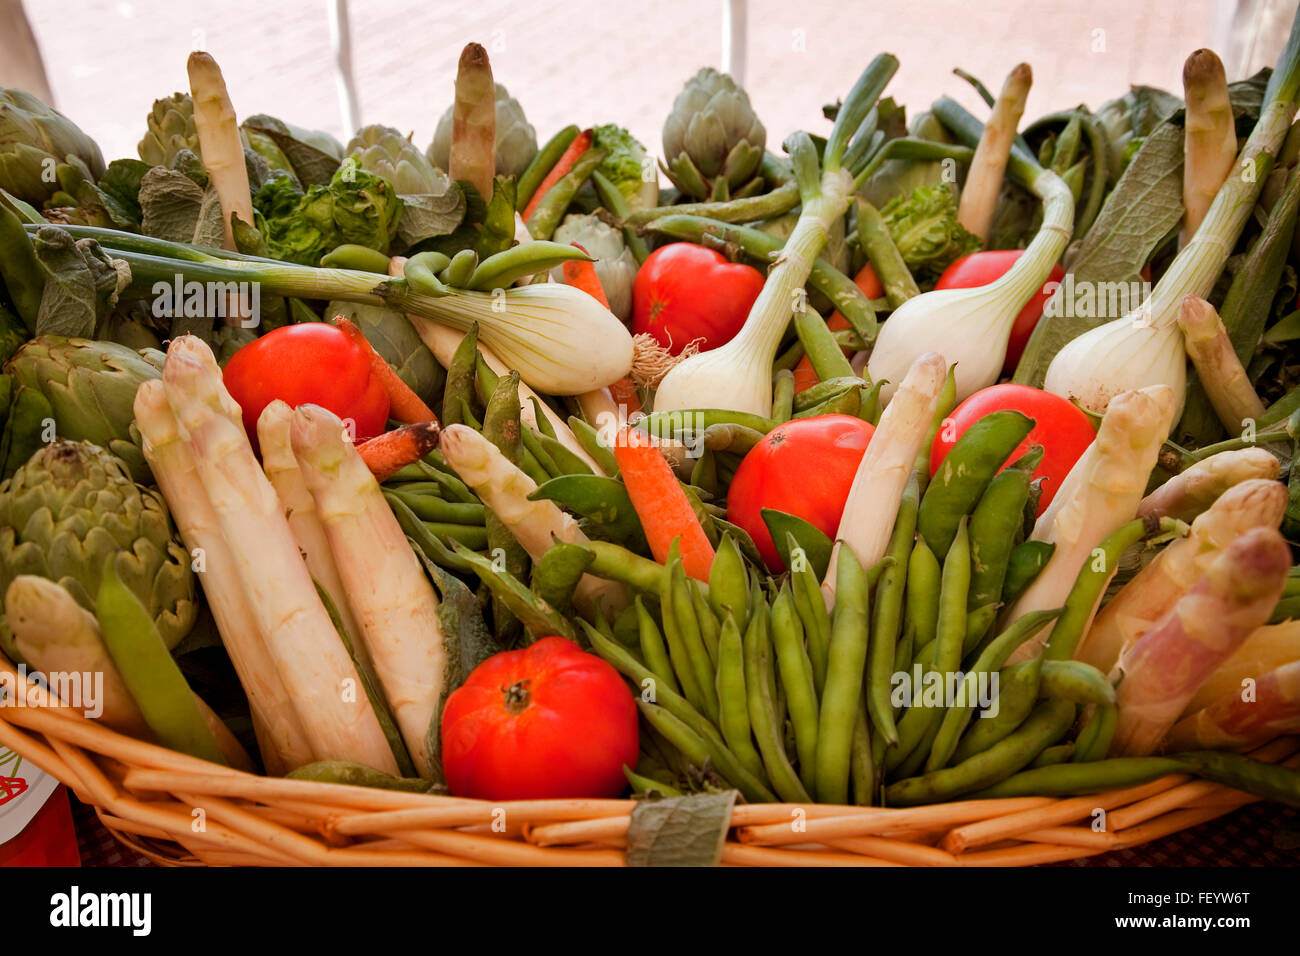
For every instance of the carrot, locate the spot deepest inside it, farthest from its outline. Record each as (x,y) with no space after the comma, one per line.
(582,275)
(387,454)
(869,283)
(666,514)
(403,404)
(624,392)
(579,146)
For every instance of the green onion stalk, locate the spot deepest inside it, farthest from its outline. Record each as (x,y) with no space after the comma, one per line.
(738,375)
(971,327)
(1145,347)
(562,341)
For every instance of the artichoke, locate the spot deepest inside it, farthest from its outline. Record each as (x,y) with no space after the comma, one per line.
(432,205)
(69,509)
(91,388)
(170,130)
(615,265)
(713,141)
(32,134)
(516,140)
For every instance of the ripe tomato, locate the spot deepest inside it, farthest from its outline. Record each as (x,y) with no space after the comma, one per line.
(684,292)
(804,467)
(981,268)
(548,721)
(310,363)
(1060,427)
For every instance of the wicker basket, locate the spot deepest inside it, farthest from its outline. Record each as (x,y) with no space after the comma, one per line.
(180,811)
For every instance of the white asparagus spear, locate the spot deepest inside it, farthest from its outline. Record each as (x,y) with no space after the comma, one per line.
(309,655)
(281,467)
(396,607)
(280,734)
(223,151)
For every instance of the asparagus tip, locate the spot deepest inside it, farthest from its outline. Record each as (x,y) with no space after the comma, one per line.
(1203,66)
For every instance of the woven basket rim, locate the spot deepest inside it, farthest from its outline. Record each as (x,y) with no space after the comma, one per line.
(178,810)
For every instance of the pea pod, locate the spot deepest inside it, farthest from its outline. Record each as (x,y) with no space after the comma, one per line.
(557,572)
(150,674)
(763,717)
(653,649)
(1044,727)
(421,273)
(542,163)
(862,766)
(457,273)
(1093,742)
(500,271)
(648,786)
(810,539)
(569,462)
(1075,681)
(532,441)
(459,390)
(679,422)
(733,701)
(550,208)
(734,438)
(537,616)
(704,618)
(890,590)
(729,583)
(826,389)
(433,508)
(1069,779)
(810,605)
(1088,588)
(702,752)
(1017,694)
(843,688)
(424,540)
(1061,753)
(797,679)
(869,408)
(612,199)
(783,395)
(947,400)
(685,647)
(847,402)
(966,472)
(823,351)
(352,256)
(1027,559)
(591,443)
(617,563)
(990,661)
(993,527)
(604,501)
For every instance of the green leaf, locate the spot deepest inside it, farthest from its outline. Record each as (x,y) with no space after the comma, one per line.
(315,155)
(119,189)
(1144,208)
(680,831)
(69,303)
(816,546)
(498,233)
(175,208)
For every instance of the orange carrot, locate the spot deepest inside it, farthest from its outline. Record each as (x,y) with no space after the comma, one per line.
(582,275)
(387,454)
(403,404)
(869,283)
(579,146)
(624,393)
(665,512)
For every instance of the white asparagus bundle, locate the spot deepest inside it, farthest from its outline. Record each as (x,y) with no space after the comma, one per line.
(878,484)
(395,605)
(281,467)
(1172,573)
(58,636)
(280,734)
(309,656)
(1193,490)
(1222,375)
(1163,669)
(536,525)
(1245,716)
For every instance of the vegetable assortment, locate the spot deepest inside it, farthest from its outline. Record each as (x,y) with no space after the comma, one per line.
(845,472)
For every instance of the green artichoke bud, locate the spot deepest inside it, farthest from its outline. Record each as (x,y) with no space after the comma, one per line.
(34,141)
(91,388)
(170,129)
(516,140)
(615,265)
(713,140)
(432,205)
(71,508)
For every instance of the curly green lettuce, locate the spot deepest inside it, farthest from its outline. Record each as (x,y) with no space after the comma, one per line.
(625,165)
(924,226)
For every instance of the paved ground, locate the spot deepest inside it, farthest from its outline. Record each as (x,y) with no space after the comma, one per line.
(585,61)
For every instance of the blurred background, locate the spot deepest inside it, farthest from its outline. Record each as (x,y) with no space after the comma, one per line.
(593,61)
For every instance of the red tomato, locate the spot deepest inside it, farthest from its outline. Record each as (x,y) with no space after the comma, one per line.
(981,268)
(685,292)
(804,467)
(310,363)
(1059,426)
(548,721)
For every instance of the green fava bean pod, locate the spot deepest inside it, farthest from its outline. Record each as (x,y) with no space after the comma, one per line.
(729,583)
(692,638)
(1017,695)
(810,605)
(947,401)
(1087,590)
(1027,559)
(1061,753)
(993,527)
(894,583)
(843,688)
(966,472)
(1093,742)
(459,391)
(1077,682)
(783,396)
(653,649)
(682,658)
(542,163)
